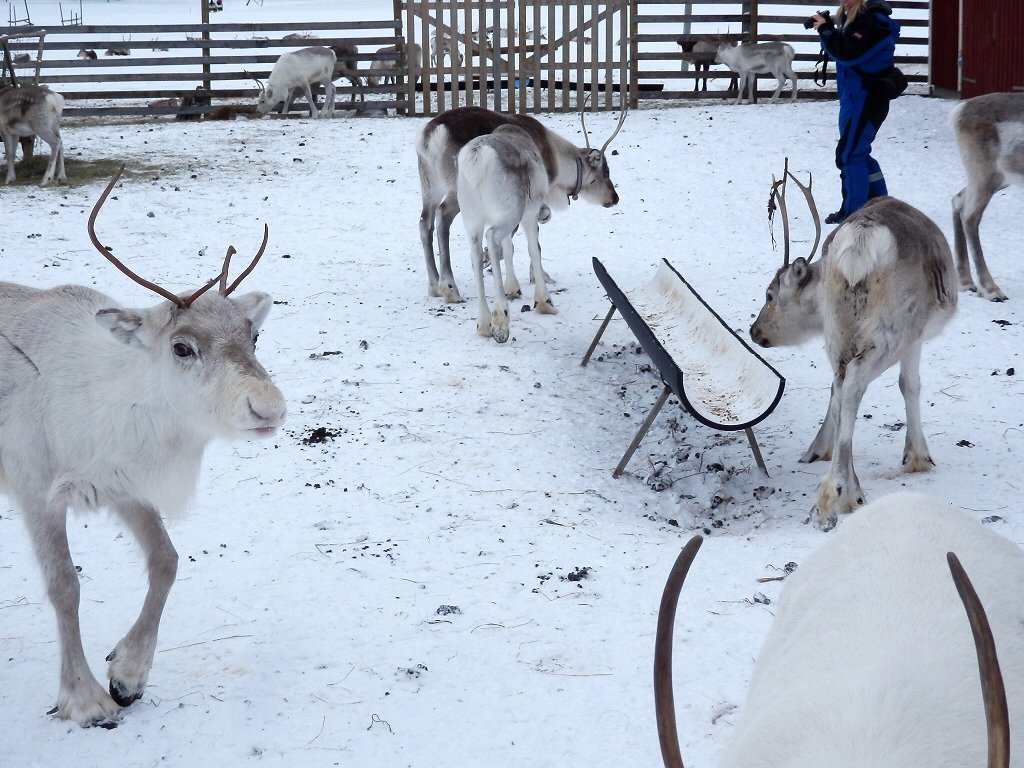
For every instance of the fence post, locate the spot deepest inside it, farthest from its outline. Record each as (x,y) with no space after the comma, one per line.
(204,16)
(634,64)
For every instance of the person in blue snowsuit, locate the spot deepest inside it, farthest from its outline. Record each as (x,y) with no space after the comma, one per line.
(862,41)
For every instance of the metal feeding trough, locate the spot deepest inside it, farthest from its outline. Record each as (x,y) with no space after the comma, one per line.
(719,379)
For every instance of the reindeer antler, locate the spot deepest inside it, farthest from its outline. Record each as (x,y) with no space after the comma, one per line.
(622,119)
(780,198)
(583,120)
(178,300)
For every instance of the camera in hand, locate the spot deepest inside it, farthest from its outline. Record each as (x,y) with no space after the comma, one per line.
(809,23)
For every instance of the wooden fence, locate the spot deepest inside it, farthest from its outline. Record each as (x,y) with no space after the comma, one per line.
(517,55)
(170,61)
(662,70)
(520,55)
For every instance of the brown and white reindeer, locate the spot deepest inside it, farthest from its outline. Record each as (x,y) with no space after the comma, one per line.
(572,171)
(989,131)
(748,60)
(870,661)
(32,110)
(885,284)
(106,406)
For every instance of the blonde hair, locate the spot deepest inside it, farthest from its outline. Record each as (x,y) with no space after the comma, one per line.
(847,16)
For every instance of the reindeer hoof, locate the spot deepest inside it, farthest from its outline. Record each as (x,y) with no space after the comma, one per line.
(122,695)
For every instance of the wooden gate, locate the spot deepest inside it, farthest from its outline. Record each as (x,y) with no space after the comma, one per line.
(518,55)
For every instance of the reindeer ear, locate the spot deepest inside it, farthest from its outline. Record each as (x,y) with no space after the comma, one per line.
(122,323)
(255,305)
(800,269)
(594,158)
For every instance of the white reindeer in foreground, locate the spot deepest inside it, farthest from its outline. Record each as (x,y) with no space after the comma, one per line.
(294,73)
(884,285)
(572,171)
(32,110)
(104,406)
(502,182)
(989,131)
(870,661)
(751,59)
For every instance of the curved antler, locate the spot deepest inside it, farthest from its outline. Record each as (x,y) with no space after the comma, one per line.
(583,119)
(184,303)
(91,226)
(622,119)
(245,273)
(992,689)
(664,702)
(810,204)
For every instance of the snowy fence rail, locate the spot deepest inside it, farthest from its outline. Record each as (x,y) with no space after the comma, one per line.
(176,58)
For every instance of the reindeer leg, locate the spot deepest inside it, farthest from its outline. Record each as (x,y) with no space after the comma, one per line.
(81,697)
(428,215)
(975,200)
(541,298)
(839,491)
(916,457)
(10,147)
(132,657)
(308,93)
(499,317)
(449,210)
(53,140)
(483,311)
(963,264)
(512,288)
(824,441)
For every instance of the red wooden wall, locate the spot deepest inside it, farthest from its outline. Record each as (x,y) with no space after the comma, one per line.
(992,34)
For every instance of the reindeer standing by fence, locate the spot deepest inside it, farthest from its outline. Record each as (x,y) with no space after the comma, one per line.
(989,132)
(103,406)
(749,60)
(884,285)
(32,110)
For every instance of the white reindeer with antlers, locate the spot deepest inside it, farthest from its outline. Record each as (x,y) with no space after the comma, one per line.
(572,171)
(870,661)
(884,285)
(103,406)
(989,132)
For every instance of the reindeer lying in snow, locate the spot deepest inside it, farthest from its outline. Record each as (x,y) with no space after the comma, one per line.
(870,660)
(989,132)
(502,183)
(884,285)
(32,110)
(572,172)
(293,74)
(103,406)
(748,60)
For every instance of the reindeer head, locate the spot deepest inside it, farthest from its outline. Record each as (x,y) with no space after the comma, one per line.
(792,308)
(593,180)
(200,348)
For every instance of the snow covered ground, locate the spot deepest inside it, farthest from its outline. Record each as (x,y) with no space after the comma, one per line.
(431,564)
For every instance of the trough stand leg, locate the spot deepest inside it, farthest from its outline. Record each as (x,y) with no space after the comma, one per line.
(643,431)
(756,450)
(600,333)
